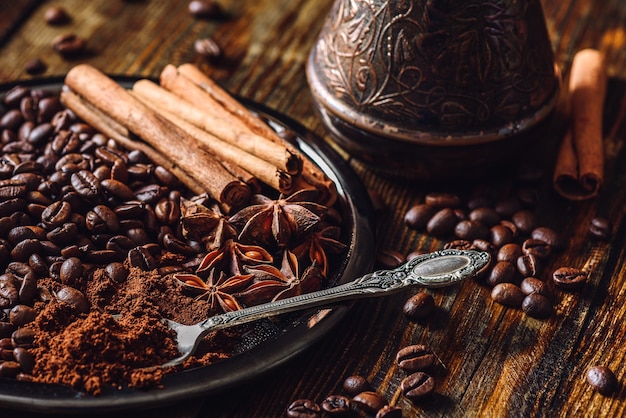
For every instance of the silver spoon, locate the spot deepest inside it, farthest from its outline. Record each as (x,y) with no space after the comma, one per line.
(437,269)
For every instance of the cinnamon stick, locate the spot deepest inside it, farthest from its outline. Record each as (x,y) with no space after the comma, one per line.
(311,175)
(110,98)
(578,173)
(224,125)
(180,112)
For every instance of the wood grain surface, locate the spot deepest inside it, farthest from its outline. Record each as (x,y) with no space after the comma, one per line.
(494,361)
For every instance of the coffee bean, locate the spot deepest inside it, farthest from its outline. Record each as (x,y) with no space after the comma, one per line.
(417,216)
(509,252)
(23,337)
(525,221)
(336,405)
(507,294)
(369,401)
(569,277)
(537,248)
(74,298)
(9,369)
(507,206)
(206,9)
(28,288)
(414,358)
(442,200)
(533,285)
(140,257)
(25,359)
(47,108)
(600,228)
(304,408)
(537,305)
(69,45)
(528,265)
(387,258)
(419,306)
(485,215)
(57,214)
(602,379)
(549,236)
(500,235)
(442,223)
(22,315)
(56,15)
(501,272)
(13,97)
(470,230)
(116,272)
(417,386)
(356,384)
(208,48)
(389,411)
(483,245)
(85,183)
(35,66)
(71,270)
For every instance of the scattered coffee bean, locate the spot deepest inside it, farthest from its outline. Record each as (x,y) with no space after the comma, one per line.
(442,223)
(356,384)
(500,235)
(533,285)
(600,228)
(569,277)
(485,215)
(369,401)
(419,306)
(414,358)
(69,45)
(525,221)
(336,405)
(417,216)
(205,9)
(507,294)
(35,66)
(208,48)
(417,386)
(458,244)
(528,265)
(304,408)
(537,305)
(602,379)
(389,411)
(56,15)
(536,248)
(549,236)
(501,272)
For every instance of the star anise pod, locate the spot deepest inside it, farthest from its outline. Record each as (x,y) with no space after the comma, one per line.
(231,257)
(217,292)
(318,244)
(271,283)
(281,221)
(197,220)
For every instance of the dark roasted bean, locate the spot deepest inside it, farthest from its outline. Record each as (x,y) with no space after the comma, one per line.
(389,411)
(507,294)
(9,368)
(64,234)
(25,359)
(356,384)
(501,272)
(533,285)
(417,216)
(417,386)
(537,248)
(600,228)
(442,200)
(525,221)
(470,230)
(24,249)
(167,211)
(569,277)
(537,305)
(23,337)
(140,257)
(602,379)
(13,97)
(175,245)
(414,358)
(22,315)
(56,214)
(528,265)
(118,189)
(304,408)
(442,223)
(85,183)
(74,298)
(549,236)
(71,270)
(11,120)
(509,252)
(40,134)
(69,45)
(56,15)
(500,235)
(116,272)
(369,401)
(28,288)
(485,215)
(336,405)
(483,245)
(419,306)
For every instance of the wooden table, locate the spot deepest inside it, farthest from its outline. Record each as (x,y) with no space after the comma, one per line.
(495,361)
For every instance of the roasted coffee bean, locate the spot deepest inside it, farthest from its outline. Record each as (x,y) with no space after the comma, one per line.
(205,9)
(602,379)
(485,215)
(71,270)
(534,285)
(417,386)
(24,249)
(140,257)
(389,411)
(500,235)
(28,288)
(6,329)
(356,384)
(9,293)
(28,109)
(11,120)
(175,245)
(600,228)
(336,405)
(85,183)
(470,230)
(458,244)
(417,216)
(108,217)
(56,214)
(6,343)
(35,66)
(537,305)
(14,96)
(528,265)
(167,211)
(12,188)
(525,221)
(537,248)
(509,252)
(507,206)
(442,223)
(501,272)
(25,359)
(419,306)
(118,189)
(414,358)
(369,401)
(56,15)
(304,408)
(116,272)
(120,244)
(549,236)
(74,298)
(22,315)
(64,234)
(69,45)
(47,108)
(442,200)
(23,337)
(483,245)
(21,233)
(569,277)
(9,368)
(208,48)
(507,294)
(387,258)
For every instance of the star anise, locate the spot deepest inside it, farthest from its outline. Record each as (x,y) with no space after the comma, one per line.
(231,257)
(317,244)
(217,292)
(281,221)
(205,224)
(271,283)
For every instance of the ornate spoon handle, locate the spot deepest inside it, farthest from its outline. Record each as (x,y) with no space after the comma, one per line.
(437,269)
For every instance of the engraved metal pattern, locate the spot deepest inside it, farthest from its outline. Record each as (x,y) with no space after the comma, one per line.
(435,66)
(378,283)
